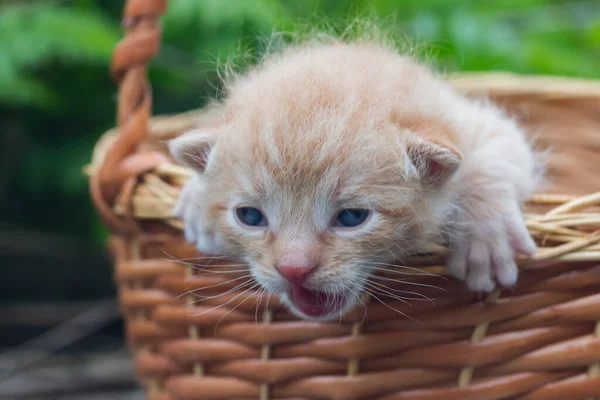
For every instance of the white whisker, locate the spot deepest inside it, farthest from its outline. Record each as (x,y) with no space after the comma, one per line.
(360,300)
(392,293)
(390,307)
(213,272)
(384,292)
(420,295)
(213,286)
(238,287)
(385,278)
(268,300)
(407,282)
(396,266)
(225,304)
(260,293)
(171,257)
(207,265)
(233,309)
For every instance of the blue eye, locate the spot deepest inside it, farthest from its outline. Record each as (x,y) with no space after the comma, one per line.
(351,217)
(251,216)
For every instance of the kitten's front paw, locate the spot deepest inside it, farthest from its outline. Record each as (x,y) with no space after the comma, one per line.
(484,256)
(191,209)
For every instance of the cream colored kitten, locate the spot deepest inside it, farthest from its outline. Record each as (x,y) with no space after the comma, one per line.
(330,157)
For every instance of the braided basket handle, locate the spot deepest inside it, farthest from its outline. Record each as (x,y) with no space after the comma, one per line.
(129,69)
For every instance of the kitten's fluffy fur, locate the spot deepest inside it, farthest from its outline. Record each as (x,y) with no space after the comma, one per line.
(322,127)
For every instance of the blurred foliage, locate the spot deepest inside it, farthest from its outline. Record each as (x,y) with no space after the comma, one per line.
(56,96)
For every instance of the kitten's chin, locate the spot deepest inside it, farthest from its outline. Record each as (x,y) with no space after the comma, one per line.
(315,305)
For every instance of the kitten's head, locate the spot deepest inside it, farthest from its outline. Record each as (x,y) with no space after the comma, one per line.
(323,166)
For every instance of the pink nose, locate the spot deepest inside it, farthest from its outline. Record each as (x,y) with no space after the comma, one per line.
(295,274)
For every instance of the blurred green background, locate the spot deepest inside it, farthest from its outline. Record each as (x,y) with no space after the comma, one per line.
(57,98)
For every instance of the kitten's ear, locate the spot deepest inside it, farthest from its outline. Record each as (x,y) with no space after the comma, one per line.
(433,156)
(193,148)
(433,161)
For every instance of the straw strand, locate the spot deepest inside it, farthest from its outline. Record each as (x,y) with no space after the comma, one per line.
(466,374)
(265,355)
(354,363)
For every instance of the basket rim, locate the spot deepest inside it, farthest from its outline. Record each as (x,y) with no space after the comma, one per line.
(515,84)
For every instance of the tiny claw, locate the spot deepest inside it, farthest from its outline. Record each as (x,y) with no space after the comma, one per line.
(525,246)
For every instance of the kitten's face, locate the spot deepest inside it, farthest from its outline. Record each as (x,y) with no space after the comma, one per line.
(329,214)
(313,181)
(330,210)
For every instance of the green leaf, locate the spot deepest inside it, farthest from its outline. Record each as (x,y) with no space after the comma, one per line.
(35,34)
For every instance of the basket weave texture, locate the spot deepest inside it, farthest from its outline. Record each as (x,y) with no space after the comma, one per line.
(196,336)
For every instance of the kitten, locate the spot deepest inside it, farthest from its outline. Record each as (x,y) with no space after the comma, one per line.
(331,157)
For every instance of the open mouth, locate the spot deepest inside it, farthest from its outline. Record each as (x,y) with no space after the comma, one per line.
(315,303)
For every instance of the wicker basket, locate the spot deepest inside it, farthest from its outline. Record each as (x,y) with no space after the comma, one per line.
(538,341)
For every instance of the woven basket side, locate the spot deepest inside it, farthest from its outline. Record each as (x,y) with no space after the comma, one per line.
(538,337)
